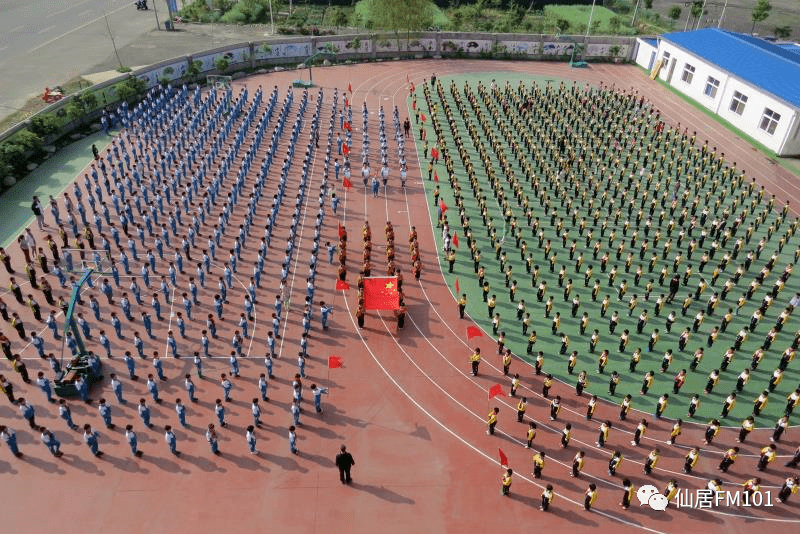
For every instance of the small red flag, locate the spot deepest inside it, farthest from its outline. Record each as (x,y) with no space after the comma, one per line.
(347,183)
(495,390)
(473,331)
(345,150)
(334,362)
(435,176)
(422,116)
(443,206)
(458,289)
(350,87)
(341,230)
(503,458)
(346,125)
(455,240)
(341,285)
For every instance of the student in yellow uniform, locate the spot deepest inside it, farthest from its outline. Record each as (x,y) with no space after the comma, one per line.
(538,464)
(691,459)
(675,432)
(747,426)
(547,498)
(768,454)
(629,490)
(546,385)
(530,435)
(506,481)
(614,463)
(671,490)
(506,362)
(475,360)
(590,498)
(577,464)
(491,420)
(521,407)
(565,435)
(651,461)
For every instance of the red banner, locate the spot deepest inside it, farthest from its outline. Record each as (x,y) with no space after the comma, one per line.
(473,331)
(495,390)
(380,293)
(341,285)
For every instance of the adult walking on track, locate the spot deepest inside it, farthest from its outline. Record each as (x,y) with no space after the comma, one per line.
(344,461)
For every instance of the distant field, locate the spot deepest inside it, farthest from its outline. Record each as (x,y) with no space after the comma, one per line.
(577,15)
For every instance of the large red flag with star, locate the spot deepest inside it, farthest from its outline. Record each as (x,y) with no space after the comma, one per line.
(380,293)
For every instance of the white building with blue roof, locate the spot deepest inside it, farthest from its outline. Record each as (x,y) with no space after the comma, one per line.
(752,83)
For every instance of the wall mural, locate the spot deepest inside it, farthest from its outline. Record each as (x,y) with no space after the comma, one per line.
(281,50)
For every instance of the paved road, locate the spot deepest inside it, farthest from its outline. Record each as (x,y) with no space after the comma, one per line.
(50,41)
(47,42)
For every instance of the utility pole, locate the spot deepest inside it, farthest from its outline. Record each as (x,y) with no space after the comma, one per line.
(113,43)
(633,20)
(722,16)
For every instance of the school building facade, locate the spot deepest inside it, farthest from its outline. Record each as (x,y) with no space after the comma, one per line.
(752,83)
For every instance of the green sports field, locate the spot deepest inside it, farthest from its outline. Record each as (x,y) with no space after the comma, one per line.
(587,121)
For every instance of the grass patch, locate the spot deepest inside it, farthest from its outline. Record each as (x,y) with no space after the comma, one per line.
(549,343)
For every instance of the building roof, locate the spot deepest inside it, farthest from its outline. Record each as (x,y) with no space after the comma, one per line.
(763,64)
(794,48)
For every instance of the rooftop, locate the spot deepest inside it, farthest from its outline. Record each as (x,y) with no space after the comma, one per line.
(771,67)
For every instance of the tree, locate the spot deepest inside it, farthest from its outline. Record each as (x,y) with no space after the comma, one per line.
(193,70)
(562,25)
(408,15)
(614,23)
(760,12)
(782,32)
(648,4)
(222,64)
(674,13)
(338,17)
(44,125)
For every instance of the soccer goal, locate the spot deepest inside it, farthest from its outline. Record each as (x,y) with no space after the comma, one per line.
(218,82)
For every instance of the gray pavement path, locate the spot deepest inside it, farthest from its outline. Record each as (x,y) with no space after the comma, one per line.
(48,42)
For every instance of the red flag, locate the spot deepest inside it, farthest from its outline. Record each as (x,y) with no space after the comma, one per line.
(422,116)
(380,293)
(443,206)
(341,230)
(458,289)
(503,458)
(341,285)
(473,331)
(455,240)
(346,125)
(350,87)
(495,390)
(334,362)
(347,183)
(345,150)
(435,176)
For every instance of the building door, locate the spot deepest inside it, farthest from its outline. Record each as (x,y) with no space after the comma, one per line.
(652,60)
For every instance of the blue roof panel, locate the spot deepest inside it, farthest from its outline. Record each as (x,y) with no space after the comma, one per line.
(763,64)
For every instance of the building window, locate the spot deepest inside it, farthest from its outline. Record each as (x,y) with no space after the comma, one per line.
(712,84)
(665,57)
(738,102)
(688,73)
(769,121)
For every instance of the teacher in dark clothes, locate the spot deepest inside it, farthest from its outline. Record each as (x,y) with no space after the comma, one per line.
(344,461)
